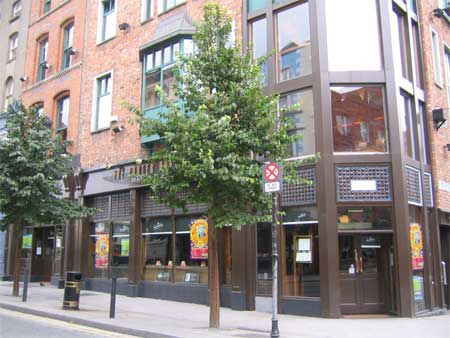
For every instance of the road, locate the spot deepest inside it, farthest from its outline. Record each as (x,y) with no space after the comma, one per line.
(20,325)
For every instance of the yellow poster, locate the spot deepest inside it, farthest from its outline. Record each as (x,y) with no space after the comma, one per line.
(102,252)
(199,239)
(416,239)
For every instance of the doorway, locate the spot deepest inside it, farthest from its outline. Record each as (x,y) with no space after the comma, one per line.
(42,253)
(364,273)
(445,263)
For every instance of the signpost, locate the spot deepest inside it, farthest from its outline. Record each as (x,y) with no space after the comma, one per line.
(272,176)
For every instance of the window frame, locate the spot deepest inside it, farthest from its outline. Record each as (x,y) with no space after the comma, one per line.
(96,100)
(16,9)
(163,5)
(59,110)
(69,29)
(43,57)
(47,6)
(9,92)
(12,50)
(435,51)
(147,10)
(103,18)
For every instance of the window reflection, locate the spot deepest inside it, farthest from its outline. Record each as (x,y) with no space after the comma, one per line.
(294,44)
(259,43)
(358,119)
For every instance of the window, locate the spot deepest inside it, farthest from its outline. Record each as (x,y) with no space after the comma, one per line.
(358,119)
(259,43)
(408,126)
(254,5)
(158,70)
(447,73)
(39,108)
(424,133)
(400,41)
(62,118)
(9,92)
(16,9)
(417,54)
(364,218)
(107,20)
(353,35)
(165,5)
(146,10)
(293,43)
(47,6)
(302,120)
(13,43)
(436,58)
(102,102)
(68,46)
(43,66)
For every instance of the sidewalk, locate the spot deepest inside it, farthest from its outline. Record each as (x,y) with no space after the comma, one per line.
(157,318)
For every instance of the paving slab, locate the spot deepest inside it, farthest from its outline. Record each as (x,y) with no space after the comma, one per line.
(146,317)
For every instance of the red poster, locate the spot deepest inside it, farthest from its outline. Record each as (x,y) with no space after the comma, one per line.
(199,239)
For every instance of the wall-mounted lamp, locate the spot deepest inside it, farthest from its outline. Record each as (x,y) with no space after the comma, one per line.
(118,129)
(124,26)
(438,12)
(73,51)
(438,117)
(447,146)
(23,78)
(46,66)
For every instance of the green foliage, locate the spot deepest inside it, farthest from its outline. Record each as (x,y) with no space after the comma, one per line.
(221,130)
(32,164)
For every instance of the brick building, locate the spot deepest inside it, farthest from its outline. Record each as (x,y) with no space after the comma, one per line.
(368,223)
(435,28)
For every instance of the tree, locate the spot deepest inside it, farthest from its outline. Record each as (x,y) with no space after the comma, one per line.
(216,136)
(33,162)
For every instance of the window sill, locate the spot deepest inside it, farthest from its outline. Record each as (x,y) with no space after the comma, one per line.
(439,85)
(98,131)
(14,18)
(105,41)
(172,8)
(146,21)
(11,61)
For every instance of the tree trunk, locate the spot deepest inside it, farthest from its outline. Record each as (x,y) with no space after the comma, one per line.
(18,252)
(213,268)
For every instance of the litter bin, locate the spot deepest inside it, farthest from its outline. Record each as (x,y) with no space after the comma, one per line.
(72,290)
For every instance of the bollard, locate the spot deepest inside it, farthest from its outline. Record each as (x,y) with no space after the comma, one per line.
(25,286)
(112,308)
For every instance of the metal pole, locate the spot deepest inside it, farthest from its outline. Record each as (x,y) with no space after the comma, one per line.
(112,307)
(274,332)
(25,286)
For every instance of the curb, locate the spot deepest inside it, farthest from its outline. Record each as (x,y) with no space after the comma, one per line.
(85,322)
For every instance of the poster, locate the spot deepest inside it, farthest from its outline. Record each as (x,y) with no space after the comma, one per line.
(125,247)
(304,252)
(418,288)
(416,239)
(102,252)
(199,239)
(27,241)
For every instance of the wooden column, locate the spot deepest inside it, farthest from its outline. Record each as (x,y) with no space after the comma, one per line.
(135,258)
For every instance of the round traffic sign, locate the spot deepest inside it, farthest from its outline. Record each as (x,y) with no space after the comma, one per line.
(272,172)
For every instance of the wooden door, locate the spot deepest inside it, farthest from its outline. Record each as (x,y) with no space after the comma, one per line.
(42,255)
(445,264)
(363,271)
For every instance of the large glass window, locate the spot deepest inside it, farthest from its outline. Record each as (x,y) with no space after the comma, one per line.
(300,111)
(417,54)
(358,119)
(293,42)
(68,46)
(401,43)
(364,218)
(99,249)
(259,43)
(424,133)
(43,50)
(13,43)
(300,262)
(63,117)
(120,249)
(264,260)
(353,35)
(408,126)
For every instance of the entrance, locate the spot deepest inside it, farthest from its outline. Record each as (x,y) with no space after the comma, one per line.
(42,255)
(445,269)
(364,276)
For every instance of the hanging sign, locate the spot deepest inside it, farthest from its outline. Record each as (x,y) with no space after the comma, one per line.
(272,176)
(27,241)
(416,239)
(102,252)
(199,239)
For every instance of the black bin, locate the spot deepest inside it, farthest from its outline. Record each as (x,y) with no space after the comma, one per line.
(72,290)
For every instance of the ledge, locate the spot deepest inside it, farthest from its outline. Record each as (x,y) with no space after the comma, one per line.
(54,76)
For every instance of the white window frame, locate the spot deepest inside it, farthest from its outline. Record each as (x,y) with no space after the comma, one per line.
(101,24)
(16,9)
(147,10)
(94,114)
(447,77)
(13,44)
(435,51)
(164,7)
(9,92)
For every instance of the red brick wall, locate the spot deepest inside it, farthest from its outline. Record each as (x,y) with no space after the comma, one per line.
(436,97)
(121,55)
(56,81)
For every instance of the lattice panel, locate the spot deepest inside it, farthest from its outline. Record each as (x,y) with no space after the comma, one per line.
(150,207)
(428,190)
(301,194)
(101,203)
(191,207)
(120,205)
(380,174)
(413,185)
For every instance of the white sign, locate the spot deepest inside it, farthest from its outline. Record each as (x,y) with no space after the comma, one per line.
(58,242)
(272,187)
(38,251)
(444,186)
(363,185)
(303,257)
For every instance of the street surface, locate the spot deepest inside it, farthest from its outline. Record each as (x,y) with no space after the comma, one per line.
(20,325)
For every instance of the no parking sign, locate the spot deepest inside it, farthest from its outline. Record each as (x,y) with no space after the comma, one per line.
(272,176)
